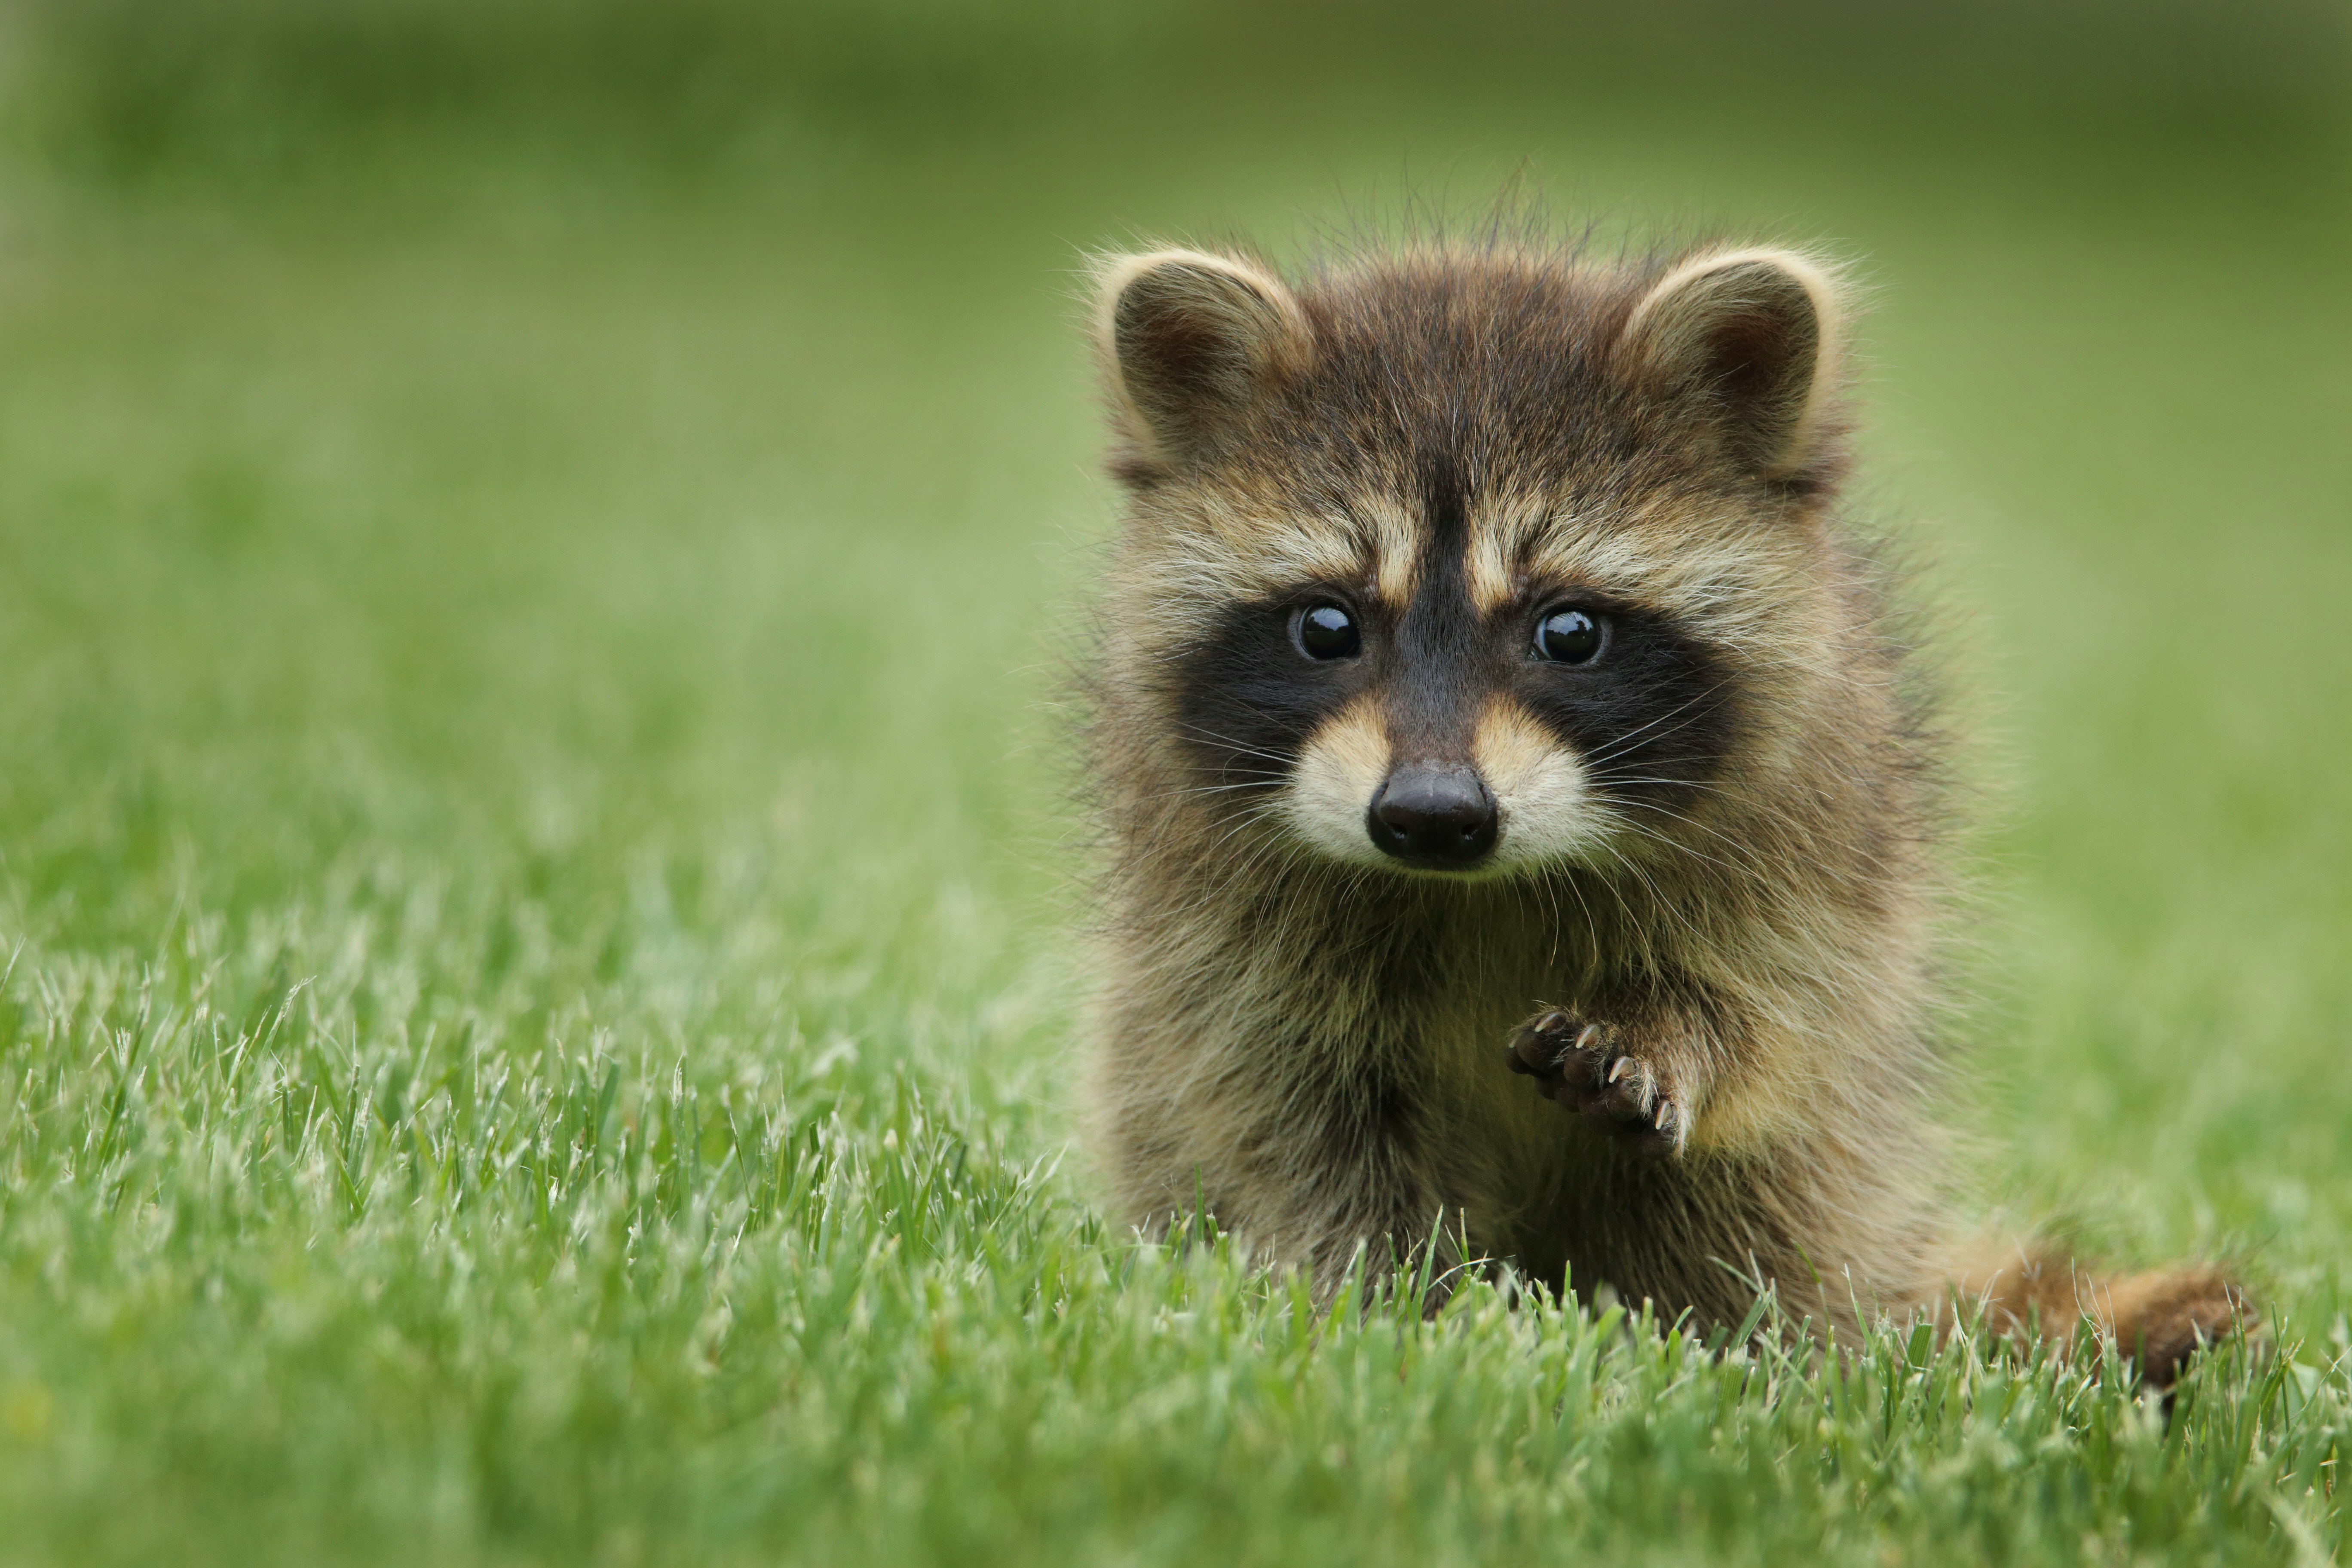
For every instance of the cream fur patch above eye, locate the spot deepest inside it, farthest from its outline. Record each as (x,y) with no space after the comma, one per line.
(1490,565)
(1215,548)
(1394,542)
(1331,786)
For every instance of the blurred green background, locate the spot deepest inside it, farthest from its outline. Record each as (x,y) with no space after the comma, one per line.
(536,542)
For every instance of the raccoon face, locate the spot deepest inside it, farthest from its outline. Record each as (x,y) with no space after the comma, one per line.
(1466,566)
(1445,735)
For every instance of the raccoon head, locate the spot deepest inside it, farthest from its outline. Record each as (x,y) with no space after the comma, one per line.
(1468,562)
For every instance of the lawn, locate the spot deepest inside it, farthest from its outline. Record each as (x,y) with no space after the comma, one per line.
(537,880)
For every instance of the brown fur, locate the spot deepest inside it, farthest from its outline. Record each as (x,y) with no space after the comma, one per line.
(1311,1042)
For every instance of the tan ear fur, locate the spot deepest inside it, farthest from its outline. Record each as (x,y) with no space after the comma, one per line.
(1187,338)
(1762,329)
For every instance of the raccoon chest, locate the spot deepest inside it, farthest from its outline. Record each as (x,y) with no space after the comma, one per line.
(1425,1111)
(1500,1157)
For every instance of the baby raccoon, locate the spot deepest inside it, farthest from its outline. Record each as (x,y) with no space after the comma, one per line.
(1523,827)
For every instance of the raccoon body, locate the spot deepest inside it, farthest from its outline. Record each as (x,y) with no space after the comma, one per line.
(1523,824)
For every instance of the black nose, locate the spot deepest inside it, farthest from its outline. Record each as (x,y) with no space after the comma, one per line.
(1438,815)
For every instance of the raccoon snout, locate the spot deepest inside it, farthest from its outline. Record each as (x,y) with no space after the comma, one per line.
(1434,815)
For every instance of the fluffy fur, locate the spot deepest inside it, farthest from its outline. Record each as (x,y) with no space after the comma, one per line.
(1670,1032)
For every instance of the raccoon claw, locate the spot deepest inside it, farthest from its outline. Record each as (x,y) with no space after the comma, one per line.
(1579,1065)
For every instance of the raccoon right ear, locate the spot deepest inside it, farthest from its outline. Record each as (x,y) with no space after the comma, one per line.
(1753,337)
(1188,340)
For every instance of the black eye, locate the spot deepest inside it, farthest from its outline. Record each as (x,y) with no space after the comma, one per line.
(1570,636)
(1326,631)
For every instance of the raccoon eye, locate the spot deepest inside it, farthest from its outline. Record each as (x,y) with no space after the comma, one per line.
(1570,636)
(1326,631)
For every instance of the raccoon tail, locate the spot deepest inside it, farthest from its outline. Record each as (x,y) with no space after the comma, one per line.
(2158,1319)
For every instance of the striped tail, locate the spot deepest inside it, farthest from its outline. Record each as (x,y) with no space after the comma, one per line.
(2157,1319)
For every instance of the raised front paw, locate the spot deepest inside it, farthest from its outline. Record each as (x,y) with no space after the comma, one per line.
(1579,1063)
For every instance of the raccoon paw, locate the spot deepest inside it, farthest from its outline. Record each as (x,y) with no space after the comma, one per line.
(1579,1063)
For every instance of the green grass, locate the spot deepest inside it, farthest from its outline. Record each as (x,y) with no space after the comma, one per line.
(536,882)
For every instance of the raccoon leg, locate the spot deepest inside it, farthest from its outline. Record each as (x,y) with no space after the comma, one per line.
(1326,1175)
(1350,1191)
(1608,1075)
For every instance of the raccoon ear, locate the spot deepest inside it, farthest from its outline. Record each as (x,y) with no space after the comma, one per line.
(1755,333)
(1188,340)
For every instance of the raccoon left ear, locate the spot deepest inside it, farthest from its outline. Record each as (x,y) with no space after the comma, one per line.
(1189,340)
(1756,335)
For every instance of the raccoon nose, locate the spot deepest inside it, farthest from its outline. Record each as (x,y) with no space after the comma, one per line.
(1439,816)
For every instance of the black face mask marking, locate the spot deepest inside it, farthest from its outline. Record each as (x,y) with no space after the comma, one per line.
(1249,697)
(1651,717)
